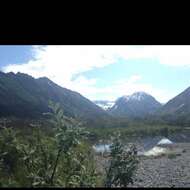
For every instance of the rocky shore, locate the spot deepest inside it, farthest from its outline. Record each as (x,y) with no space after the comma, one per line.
(170,169)
(167,170)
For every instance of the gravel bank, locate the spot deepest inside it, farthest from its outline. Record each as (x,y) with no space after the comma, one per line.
(165,171)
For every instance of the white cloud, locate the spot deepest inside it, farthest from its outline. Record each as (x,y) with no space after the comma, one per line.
(167,55)
(61,63)
(131,85)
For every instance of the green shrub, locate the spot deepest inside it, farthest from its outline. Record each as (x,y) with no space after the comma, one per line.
(173,155)
(122,164)
(62,159)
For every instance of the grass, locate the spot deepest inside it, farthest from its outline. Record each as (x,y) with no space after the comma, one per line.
(133,130)
(173,155)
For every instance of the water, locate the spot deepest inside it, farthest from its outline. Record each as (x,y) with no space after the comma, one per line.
(102,148)
(148,145)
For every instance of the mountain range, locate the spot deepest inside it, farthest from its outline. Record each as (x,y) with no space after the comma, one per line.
(23,96)
(143,105)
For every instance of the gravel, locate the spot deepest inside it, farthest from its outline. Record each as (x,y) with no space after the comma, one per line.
(165,170)
(171,169)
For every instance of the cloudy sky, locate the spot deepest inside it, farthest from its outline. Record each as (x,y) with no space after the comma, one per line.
(105,72)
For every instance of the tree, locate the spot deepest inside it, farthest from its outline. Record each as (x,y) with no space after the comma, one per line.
(69,136)
(122,164)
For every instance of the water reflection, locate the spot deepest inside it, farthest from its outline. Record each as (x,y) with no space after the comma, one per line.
(147,147)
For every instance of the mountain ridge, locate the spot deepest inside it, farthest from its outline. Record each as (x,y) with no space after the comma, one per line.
(177,110)
(22,95)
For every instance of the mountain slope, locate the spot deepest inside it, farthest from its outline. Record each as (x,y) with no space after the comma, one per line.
(23,96)
(138,104)
(178,108)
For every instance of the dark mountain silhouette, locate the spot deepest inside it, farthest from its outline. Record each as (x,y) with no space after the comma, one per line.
(24,96)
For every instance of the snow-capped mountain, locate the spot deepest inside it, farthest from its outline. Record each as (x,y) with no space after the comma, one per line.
(104,104)
(138,104)
(138,96)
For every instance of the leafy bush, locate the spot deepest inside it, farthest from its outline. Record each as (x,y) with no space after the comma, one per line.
(122,164)
(62,159)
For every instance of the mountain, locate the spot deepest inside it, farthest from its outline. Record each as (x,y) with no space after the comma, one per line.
(24,96)
(178,108)
(138,104)
(104,104)
(179,104)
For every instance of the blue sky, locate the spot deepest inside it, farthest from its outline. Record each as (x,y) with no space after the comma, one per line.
(105,72)
(14,54)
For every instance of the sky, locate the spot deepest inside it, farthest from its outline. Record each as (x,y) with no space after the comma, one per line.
(104,72)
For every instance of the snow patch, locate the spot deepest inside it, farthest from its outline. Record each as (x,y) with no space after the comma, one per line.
(106,105)
(127,98)
(49,83)
(115,107)
(180,106)
(155,151)
(135,96)
(164,141)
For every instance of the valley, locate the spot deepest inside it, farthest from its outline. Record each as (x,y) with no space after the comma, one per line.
(139,119)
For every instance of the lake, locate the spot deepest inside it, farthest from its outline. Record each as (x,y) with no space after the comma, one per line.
(101,148)
(149,145)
